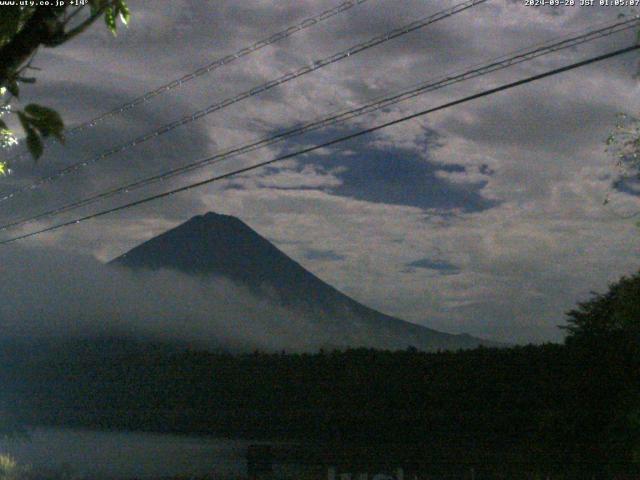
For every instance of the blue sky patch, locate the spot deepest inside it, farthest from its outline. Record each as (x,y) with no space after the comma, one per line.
(392,176)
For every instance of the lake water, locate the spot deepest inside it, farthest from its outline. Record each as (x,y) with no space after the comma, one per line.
(129,454)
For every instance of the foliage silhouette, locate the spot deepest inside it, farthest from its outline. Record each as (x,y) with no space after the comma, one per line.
(23,30)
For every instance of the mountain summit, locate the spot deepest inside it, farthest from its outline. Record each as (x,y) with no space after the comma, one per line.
(222,245)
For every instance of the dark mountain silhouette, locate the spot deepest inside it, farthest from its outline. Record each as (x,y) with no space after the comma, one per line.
(222,245)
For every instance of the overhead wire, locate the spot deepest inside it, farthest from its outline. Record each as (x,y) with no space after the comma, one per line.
(360,133)
(505,61)
(395,33)
(214,65)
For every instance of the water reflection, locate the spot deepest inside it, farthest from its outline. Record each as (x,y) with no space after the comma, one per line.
(128,454)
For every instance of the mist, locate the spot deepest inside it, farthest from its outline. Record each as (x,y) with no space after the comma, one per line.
(55,295)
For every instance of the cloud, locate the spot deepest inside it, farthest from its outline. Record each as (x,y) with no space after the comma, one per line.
(49,294)
(324,255)
(509,188)
(440,266)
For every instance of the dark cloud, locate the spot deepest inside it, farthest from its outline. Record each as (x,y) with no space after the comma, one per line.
(401,178)
(513,183)
(390,175)
(628,185)
(50,294)
(441,266)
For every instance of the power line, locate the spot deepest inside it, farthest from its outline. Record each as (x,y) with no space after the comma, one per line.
(502,62)
(214,65)
(239,171)
(318,64)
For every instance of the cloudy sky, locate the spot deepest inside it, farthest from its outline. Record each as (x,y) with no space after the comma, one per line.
(485,218)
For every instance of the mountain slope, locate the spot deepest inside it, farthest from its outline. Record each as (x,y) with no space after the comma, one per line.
(222,245)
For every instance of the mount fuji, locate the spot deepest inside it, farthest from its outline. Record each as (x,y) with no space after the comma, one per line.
(214,245)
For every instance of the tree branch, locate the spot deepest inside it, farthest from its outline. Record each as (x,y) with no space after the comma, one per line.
(73,14)
(44,27)
(26,41)
(76,30)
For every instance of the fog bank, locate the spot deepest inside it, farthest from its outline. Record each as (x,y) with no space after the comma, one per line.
(53,294)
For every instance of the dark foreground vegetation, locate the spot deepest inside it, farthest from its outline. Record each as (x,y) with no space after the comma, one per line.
(569,410)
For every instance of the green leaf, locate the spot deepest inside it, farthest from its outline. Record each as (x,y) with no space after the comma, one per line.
(38,121)
(24,120)
(46,120)
(3,126)
(39,111)
(9,23)
(110,19)
(13,88)
(123,11)
(34,144)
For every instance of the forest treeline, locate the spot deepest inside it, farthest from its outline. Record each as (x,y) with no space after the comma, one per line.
(570,409)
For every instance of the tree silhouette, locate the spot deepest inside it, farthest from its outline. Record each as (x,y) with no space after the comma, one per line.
(615,313)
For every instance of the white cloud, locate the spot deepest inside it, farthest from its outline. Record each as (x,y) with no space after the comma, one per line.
(547,243)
